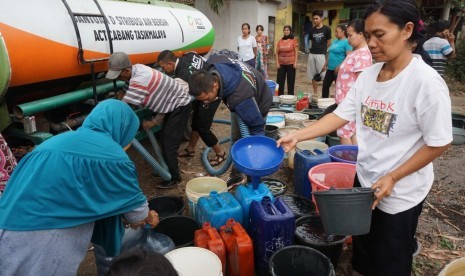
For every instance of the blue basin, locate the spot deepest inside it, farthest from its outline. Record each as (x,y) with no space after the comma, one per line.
(257,156)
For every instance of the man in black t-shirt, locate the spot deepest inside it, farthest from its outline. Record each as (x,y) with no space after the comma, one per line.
(320,35)
(202,117)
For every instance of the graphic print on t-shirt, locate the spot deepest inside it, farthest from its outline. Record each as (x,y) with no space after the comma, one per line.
(318,37)
(247,74)
(378,115)
(196,64)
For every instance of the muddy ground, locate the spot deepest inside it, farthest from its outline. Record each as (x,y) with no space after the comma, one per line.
(441,229)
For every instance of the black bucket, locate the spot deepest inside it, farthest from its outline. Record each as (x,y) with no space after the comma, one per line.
(313,113)
(458,120)
(271,131)
(345,211)
(166,206)
(309,232)
(300,206)
(297,260)
(180,229)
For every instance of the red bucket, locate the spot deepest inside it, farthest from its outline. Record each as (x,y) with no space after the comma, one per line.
(334,174)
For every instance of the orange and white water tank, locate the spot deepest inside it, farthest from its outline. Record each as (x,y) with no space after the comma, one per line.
(39,41)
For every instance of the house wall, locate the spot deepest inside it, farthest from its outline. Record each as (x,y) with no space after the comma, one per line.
(283,17)
(227,25)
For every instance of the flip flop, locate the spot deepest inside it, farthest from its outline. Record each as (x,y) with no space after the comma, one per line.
(187,153)
(218,159)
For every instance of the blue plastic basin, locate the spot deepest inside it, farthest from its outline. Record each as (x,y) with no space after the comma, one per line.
(257,155)
(344,153)
(272,85)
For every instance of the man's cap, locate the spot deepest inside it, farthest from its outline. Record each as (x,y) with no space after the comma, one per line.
(118,61)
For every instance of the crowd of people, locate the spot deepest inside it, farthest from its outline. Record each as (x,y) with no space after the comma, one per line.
(400,109)
(397,111)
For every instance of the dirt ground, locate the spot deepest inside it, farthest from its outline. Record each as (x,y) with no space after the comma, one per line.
(441,229)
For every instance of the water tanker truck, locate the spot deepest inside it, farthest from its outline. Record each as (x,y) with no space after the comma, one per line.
(54,54)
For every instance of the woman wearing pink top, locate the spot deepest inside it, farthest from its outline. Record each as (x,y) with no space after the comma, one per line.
(261,63)
(286,60)
(353,65)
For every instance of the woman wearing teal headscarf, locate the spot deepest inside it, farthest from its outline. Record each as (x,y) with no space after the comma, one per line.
(71,188)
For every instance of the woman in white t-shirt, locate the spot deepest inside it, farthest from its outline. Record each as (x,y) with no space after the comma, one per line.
(247,46)
(401,108)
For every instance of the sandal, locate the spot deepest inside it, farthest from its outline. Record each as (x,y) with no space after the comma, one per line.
(217,160)
(187,153)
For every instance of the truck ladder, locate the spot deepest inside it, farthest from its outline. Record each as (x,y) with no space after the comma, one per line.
(81,58)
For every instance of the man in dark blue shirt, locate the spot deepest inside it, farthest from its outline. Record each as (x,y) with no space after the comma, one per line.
(242,89)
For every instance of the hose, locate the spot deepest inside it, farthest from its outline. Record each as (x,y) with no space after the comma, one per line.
(68,124)
(244,133)
(160,167)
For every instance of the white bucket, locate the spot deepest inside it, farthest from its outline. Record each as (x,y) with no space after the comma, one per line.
(455,268)
(295,119)
(286,130)
(277,113)
(194,261)
(287,99)
(305,145)
(325,102)
(202,186)
(275,120)
(307,123)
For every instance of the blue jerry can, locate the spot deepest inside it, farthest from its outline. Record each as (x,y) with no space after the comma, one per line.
(217,208)
(245,194)
(272,226)
(304,160)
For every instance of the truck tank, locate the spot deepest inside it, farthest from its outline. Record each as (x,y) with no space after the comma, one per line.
(51,47)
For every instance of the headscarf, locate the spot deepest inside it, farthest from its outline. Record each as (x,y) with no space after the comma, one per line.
(286,37)
(76,177)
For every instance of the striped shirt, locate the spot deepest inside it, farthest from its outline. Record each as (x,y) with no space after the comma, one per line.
(154,90)
(438,49)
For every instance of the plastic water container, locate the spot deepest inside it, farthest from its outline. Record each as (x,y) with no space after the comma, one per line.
(209,238)
(302,104)
(344,153)
(305,145)
(275,120)
(335,174)
(310,232)
(150,240)
(454,268)
(295,119)
(218,208)
(287,107)
(245,194)
(287,130)
(239,249)
(272,227)
(333,140)
(304,160)
(194,261)
(345,211)
(180,229)
(299,205)
(271,131)
(166,206)
(159,243)
(298,260)
(202,186)
(272,85)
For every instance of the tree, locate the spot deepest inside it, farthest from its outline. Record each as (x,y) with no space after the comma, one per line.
(459,5)
(216,5)
(458,9)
